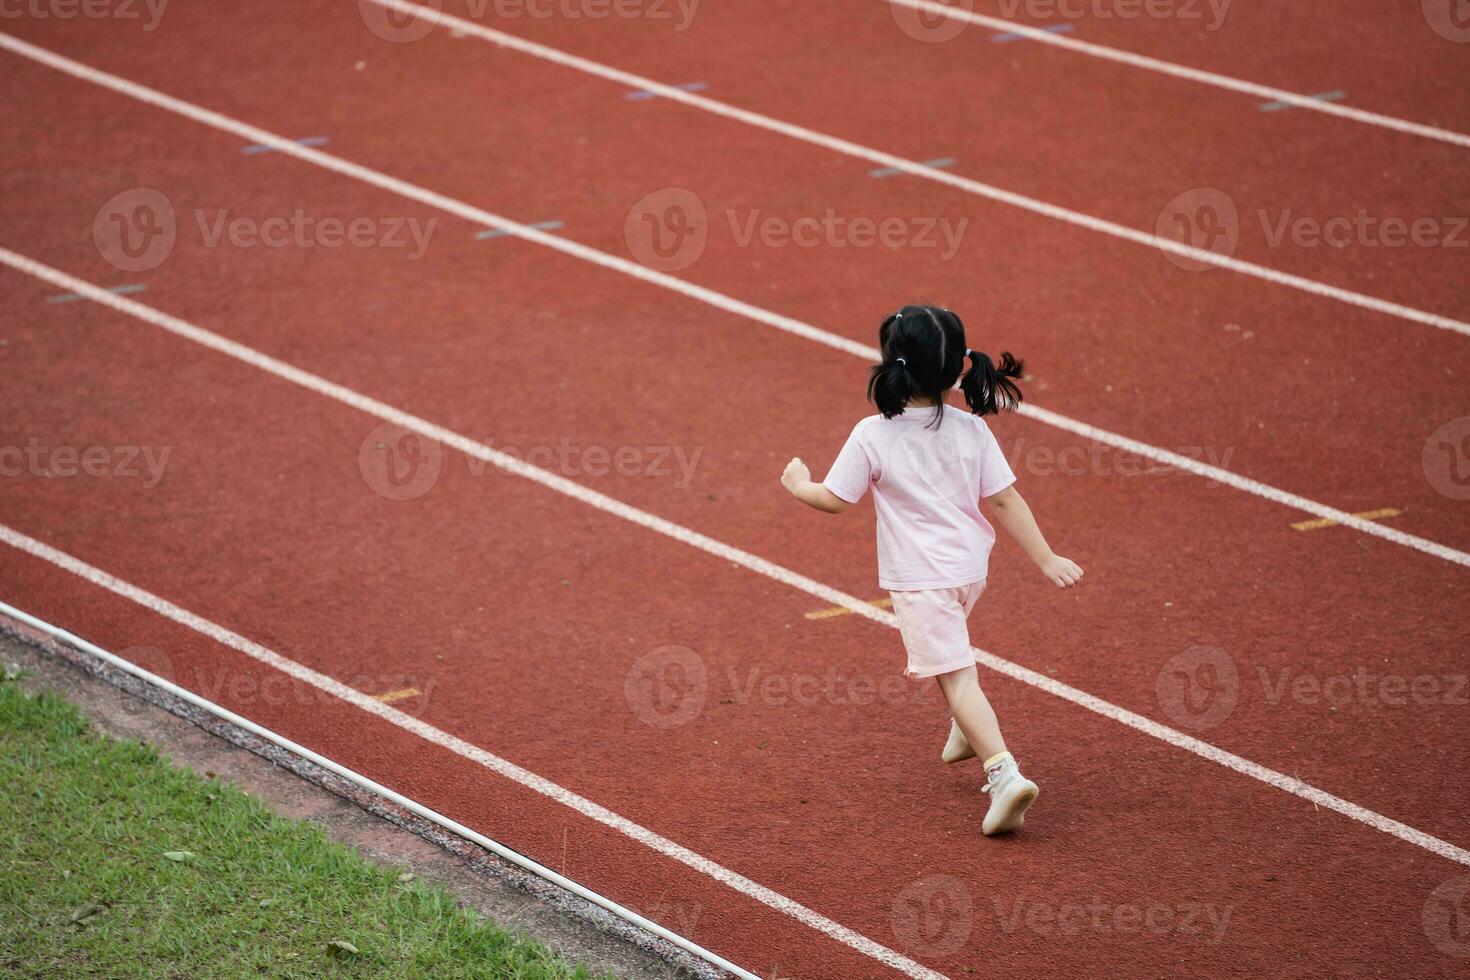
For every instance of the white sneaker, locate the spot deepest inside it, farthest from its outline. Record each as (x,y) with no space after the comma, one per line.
(1010,794)
(957,749)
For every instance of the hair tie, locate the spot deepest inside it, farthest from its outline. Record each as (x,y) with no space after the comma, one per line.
(903,362)
(969,353)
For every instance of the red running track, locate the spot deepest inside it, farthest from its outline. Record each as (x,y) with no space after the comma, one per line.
(264,525)
(1284,375)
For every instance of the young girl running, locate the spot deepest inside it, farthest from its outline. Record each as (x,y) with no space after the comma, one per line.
(928,465)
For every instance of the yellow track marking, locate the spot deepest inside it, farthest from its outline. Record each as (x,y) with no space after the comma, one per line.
(388,697)
(1367,515)
(843,611)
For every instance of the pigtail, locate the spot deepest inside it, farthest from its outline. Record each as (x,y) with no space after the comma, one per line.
(990,389)
(890,386)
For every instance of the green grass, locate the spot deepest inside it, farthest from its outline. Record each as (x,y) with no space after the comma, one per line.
(113,863)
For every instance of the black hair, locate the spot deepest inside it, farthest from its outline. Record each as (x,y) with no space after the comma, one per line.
(923,355)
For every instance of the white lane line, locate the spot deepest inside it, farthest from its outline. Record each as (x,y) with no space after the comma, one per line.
(1189,74)
(719,549)
(988,191)
(1245,483)
(710,297)
(8,611)
(459,747)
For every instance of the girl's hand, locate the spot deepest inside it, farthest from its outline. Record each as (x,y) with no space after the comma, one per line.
(796,474)
(1064,572)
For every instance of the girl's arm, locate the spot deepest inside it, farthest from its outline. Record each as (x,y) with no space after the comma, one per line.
(798,479)
(1013,514)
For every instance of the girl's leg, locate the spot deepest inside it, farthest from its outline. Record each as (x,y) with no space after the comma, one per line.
(972,712)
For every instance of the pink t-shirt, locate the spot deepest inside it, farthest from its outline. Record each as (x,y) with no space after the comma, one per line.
(927,484)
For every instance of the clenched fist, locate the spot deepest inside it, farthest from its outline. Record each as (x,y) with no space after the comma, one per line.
(796,473)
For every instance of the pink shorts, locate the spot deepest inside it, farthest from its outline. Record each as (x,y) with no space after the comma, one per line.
(935,628)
